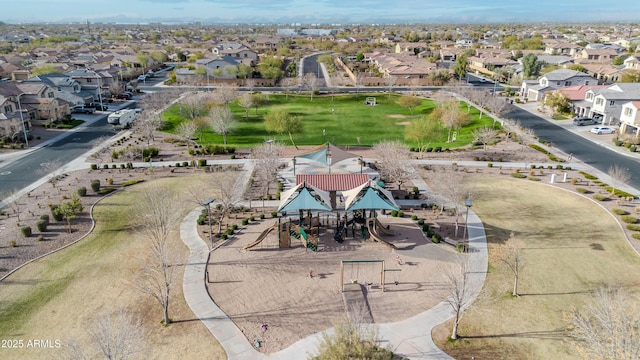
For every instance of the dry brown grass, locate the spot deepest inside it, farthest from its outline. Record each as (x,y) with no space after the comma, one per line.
(572,246)
(94,276)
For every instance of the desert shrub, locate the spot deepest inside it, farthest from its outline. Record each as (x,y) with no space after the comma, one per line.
(131,182)
(41,225)
(394,213)
(56,213)
(619,211)
(202,162)
(106,191)
(414,217)
(81,191)
(518,175)
(352,341)
(400,213)
(95,185)
(40,238)
(600,197)
(105,166)
(574,181)
(629,219)
(234,227)
(421,222)
(110,181)
(12,243)
(245,222)
(436,238)
(252,218)
(94,166)
(588,176)
(460,247)
(636,236)
(45,217)
(533,178)
(151,151)
(261,216)
(274,214)
(619,193)
(26,231)
(229,232)
(489,164)
(633,227)
(224,236)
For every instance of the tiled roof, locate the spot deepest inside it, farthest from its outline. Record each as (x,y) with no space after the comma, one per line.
(333,182)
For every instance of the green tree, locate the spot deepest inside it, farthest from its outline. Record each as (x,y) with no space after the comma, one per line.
(460,67)
(44,69)
(281,122)
(531,66)
(578,67)
(423,131)
(69,209)
(558,101)
(630,76)
(143,60)
(619,60)
(359,56)
(410,102)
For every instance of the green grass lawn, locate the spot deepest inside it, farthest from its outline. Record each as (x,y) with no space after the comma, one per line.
(351,122)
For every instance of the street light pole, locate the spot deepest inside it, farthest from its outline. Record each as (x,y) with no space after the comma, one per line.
(468,204)
(24,128)
(207,203)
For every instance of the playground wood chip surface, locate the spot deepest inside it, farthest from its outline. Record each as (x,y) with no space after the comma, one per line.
(272,286)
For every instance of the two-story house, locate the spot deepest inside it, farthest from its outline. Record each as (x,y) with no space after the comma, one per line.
(30,103)
(554,80)
(607,102)
(239,52)
(630,119)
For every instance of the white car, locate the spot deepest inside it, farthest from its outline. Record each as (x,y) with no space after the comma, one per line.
(603,130)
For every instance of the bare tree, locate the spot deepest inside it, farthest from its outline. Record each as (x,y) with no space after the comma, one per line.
(119,335)
(186,130)
(451,183)
(498,106)
(393,161)
(148,125)
(423,131)
(221,121)
(229,191)
(410,102)
(102,154)
(609,326)
(312,82)
(268,160)
(485,135)
(457,296)
(226,93)
(156,215)
(448,111)
(619,176)
(390,81)
(193,106)
(510,253)
(246,102)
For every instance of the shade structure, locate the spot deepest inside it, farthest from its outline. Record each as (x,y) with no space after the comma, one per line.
(305,197)
(321,155)
(338,154)
(369,196)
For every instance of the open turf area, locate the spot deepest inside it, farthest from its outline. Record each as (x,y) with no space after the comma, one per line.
(350,123)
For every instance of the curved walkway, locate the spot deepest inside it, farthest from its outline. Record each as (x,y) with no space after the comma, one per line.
(410,338)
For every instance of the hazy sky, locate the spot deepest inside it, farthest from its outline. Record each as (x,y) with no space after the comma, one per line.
(319,11)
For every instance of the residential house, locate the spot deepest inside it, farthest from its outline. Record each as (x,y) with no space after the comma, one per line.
(576,95)
(605,73)
(64,86)
(222,67)
(488,65)
(630,119)
(93,84)
(400,65)
(450,54)
(554,80)
(239,52)
(607,102)
(32,102)
(561,48)
(632,62)
(595,56)
(465,42)
(413,48)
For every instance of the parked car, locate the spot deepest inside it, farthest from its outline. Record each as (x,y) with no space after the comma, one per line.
(124,96)
(603,130)
(82,110)
(581,121)
(98,107)
(142,77)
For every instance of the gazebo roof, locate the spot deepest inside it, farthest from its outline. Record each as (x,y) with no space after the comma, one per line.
(305,197)
(333,182)
(369,196)
(321,154)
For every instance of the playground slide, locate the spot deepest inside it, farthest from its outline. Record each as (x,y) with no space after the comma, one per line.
(260,238)
(309,241)
(374,235)
(382,228)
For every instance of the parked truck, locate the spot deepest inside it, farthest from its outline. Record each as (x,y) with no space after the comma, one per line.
(122,118)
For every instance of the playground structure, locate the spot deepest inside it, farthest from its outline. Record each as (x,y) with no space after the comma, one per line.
(290,230)
(260,238)
(371,101)
(383,271)
(372,226)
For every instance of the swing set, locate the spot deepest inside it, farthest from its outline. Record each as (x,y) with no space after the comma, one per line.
(356,263)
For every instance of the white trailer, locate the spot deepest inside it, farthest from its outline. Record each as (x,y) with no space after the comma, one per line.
(122,118)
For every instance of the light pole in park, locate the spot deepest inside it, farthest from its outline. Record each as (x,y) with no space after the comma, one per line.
(207,203)
(468,204)
(24,127)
